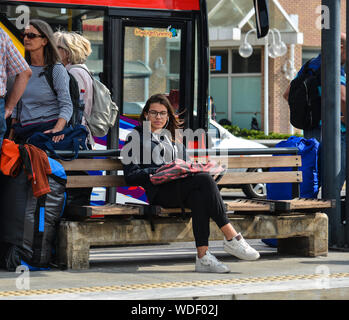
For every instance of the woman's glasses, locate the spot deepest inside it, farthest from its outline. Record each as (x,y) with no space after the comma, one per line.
(154,114)
(31,35)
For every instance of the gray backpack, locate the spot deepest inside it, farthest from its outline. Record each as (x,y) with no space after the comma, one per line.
(104,110)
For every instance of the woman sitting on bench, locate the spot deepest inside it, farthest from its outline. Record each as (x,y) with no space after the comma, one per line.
(150,146)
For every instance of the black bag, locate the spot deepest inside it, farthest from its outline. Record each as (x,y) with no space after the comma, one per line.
(17,214)
(28,224)
(304,99)
(49,210)
(78,107)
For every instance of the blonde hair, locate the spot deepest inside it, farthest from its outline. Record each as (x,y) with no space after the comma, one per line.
(77,46)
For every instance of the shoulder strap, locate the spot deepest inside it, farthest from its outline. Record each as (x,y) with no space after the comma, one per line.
(77,66)
(48,73)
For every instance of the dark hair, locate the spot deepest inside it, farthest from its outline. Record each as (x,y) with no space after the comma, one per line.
(51,54)
(173,121)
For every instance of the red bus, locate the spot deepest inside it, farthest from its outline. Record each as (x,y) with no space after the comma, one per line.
(139,47)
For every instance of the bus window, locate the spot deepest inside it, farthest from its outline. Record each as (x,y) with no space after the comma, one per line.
(87,22)
(152,60)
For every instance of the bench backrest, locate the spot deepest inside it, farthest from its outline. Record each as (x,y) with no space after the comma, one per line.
(231,177)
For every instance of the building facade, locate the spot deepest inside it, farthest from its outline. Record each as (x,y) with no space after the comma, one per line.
(238,88)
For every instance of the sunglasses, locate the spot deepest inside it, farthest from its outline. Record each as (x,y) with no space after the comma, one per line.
(31,35)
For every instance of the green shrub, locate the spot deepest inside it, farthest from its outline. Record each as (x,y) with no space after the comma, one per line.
(256,134)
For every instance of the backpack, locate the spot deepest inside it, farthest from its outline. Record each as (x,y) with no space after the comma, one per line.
(304,99)
(78,107)
(104,110)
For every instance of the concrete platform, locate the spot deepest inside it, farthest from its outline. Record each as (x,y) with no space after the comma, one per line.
(167,272)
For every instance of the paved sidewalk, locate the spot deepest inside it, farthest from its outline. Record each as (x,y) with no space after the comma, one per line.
(167,272)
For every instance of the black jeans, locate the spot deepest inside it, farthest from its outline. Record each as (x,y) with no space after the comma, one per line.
(200,194)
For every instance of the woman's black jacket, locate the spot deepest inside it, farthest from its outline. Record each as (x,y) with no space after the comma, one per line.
(140,160)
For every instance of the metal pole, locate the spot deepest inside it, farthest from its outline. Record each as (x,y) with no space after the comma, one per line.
(266,87)
(146,61)
(346,218)
(330,112)
(292,47)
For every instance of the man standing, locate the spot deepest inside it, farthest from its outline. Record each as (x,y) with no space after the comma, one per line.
(315,64)
(11,64)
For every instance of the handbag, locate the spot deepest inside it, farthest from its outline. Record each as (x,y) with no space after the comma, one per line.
(74,140)
(179,169)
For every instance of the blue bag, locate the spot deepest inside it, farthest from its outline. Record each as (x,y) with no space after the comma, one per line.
(308,149)
(74,140)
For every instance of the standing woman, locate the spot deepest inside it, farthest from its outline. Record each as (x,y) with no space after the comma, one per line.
(149,147)
(74,50)
(42,109)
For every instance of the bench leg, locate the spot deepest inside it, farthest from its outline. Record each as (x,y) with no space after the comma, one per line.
(302,246)
(73,248)
(316,244)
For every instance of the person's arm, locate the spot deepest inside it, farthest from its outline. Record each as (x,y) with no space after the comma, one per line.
(61,86)
(15,66)
(135,172)
(286,93)
(17,91)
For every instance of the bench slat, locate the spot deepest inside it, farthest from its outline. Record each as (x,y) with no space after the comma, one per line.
(260,177)
(301,204)
(108,209)
(274,207)
(232,162)
(112,209)
(257,162)
(95,181)
(248,205)
(92,164)
(228,179)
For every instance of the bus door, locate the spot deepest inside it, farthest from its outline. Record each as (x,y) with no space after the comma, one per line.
(150,52)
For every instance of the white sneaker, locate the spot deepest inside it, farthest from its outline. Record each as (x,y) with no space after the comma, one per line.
(240,248)
(209,263)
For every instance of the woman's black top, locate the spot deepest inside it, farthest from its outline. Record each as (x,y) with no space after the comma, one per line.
(143,153)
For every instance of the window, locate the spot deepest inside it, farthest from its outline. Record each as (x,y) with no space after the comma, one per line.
(308,54)
(219,61)
(88,23)
(246,65)
(151,63)
(214,131)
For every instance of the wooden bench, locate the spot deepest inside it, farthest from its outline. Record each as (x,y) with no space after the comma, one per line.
(299,224)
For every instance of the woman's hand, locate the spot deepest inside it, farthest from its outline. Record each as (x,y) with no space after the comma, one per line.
(58,127)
